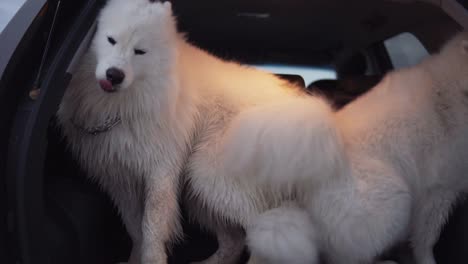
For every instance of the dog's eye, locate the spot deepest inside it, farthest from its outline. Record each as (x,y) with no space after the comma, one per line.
(139,52)
(111,40)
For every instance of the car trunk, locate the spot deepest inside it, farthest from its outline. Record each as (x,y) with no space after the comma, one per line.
(60,216)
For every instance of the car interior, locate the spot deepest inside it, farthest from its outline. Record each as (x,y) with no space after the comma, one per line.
(80,224)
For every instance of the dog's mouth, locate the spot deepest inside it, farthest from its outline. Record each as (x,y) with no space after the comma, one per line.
(107,86)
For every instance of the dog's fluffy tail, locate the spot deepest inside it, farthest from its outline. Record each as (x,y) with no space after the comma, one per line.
(282,235)
(285,144)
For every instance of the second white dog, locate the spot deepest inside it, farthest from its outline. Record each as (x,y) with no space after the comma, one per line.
(406,164)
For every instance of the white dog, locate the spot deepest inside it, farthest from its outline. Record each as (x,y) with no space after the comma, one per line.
(146,108)
(406,164)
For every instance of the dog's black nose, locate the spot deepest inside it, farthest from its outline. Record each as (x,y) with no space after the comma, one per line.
(115,76)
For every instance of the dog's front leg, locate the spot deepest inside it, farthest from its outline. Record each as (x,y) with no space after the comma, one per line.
(430,215)
(160,223)
(128,198)
(231,242)
(131,211)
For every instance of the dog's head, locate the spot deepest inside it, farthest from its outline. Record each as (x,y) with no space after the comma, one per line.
(455,51)
(130,41)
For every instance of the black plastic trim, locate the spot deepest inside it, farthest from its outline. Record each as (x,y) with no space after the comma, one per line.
(28,144)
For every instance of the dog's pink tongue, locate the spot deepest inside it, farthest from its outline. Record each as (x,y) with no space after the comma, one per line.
(106,85)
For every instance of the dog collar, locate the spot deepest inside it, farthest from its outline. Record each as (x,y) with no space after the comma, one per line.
(95,130)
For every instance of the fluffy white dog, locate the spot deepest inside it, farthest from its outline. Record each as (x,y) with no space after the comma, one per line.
(146,108)
(405,166)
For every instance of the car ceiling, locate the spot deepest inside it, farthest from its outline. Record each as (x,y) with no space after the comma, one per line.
(316,30)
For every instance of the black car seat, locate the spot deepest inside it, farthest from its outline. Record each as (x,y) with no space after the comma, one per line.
(342,91)
(352,81)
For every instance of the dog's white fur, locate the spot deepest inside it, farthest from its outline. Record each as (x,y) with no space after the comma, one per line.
(282,235)
(136,162)
(406,147)
(390,163)
(226,127)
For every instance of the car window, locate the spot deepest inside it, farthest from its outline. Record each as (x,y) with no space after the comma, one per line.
(405,50)
(309,74)
(8,9)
